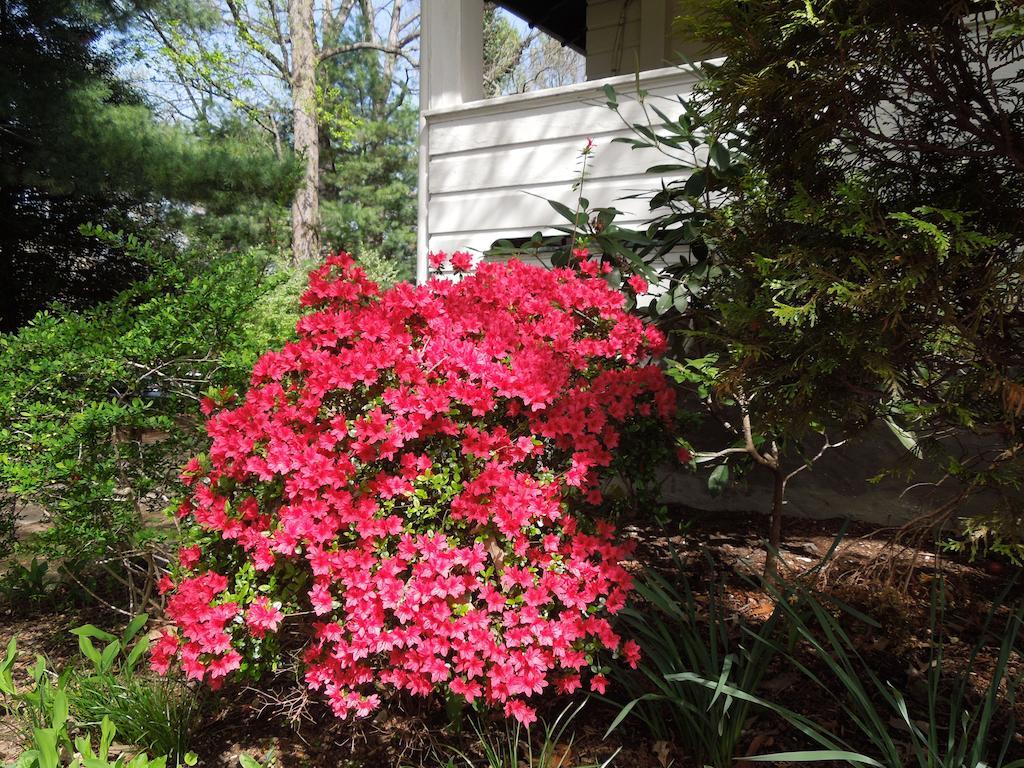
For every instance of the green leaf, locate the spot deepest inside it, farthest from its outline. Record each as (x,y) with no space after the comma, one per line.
(7,686)
(681,298)
(815,755)
(695,184)
(611,96)
(133,628)
(624,712)
(135,654)
(720,155)
(89,651)
(668,168)
(109,654)
(563,210)
(88,630)
(107,733)
(46,743)
(718,481)
(907,439)
(664,303)
(59,717)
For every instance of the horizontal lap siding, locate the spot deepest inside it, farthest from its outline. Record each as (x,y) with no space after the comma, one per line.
(492,167)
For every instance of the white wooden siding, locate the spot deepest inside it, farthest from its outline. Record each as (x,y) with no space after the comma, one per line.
(491,166)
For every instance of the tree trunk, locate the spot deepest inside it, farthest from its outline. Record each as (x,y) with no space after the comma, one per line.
(306,205)
(771,566)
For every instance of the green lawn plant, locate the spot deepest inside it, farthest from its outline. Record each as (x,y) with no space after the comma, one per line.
(680,633)
(942,725)
(58,715)
(157,714)
(51,748)
(507,744)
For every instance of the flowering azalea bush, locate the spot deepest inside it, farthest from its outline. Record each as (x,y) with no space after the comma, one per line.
(413,489)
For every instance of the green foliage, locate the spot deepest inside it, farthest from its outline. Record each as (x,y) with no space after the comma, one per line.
(60,714)
(26,586)
(157,715)
(680,633)
(508,745)
(503,48)
(78,144)
(945,725)
(51,744)
(369,175)
(872,256)
(842,240)
(269,760)
(99,408)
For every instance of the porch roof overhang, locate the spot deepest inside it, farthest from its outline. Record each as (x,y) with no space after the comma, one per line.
(564,20)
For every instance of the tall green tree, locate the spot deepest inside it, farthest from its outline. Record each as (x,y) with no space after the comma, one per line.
(53,90)
(872,259)
(843,242)
(268,60)
(78,144)
(370,169)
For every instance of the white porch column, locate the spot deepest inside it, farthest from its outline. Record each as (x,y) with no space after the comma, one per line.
(451,73)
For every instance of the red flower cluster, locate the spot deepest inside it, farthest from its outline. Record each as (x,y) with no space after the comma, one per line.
(421,458)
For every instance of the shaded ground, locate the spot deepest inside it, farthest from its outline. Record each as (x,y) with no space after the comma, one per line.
(712,548)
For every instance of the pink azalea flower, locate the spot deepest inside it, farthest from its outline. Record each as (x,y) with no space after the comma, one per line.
(263,617)
(189,556)
(638,284)
(462,261)
(521,712)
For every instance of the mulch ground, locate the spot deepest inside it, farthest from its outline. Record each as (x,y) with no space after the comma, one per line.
(709,548)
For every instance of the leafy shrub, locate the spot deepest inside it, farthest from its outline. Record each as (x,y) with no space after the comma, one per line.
(677,633)
(410,488)
(8,524)
(26,586)
(99,408)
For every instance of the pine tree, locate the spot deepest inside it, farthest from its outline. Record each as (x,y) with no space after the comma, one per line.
(369,168)
(79,145)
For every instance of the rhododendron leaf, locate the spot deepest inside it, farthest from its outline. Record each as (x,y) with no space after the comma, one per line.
(718,480)
(664,303)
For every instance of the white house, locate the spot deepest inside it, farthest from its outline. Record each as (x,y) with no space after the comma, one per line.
(480,160)
(488,166)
